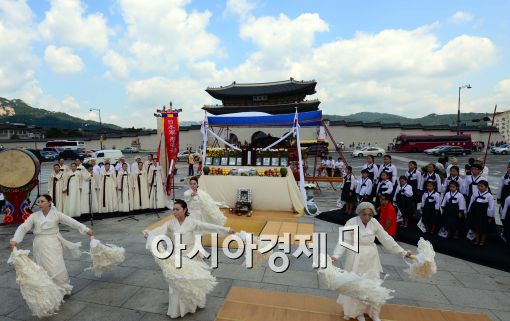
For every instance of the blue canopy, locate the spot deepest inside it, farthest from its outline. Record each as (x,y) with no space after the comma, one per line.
(309,118)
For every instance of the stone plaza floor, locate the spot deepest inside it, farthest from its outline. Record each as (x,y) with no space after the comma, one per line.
(136,290)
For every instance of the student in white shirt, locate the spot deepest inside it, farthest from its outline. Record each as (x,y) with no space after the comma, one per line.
(432,176)
(480,212)
(454,207)
(404,200)
(364,187)
(453,177)
(430,204)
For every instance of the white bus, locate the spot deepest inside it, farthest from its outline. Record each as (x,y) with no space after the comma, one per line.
(66,144)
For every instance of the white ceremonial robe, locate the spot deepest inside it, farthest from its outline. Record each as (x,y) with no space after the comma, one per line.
(140,189)
(133,168)
(89,202)
(203,208)
(147,167)
(157,194)
(55,188)
(48,243)
(81,169)
(189,228)
(366,263)
(124,192)
(72,196)
(108,191)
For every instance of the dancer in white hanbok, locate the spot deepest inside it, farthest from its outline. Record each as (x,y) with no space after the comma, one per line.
(140,188)
(366,263)
(157,195)
(187,292)
(201,205)
(107,190)
(124,189)
(148,163)
(48,243)
(72,196)
(63,167)
(55,187)
(89,188)
(79,166)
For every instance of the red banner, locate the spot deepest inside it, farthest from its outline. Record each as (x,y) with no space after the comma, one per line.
(171,133)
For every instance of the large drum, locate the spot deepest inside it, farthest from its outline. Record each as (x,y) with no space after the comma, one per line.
(18,170)
(18,176)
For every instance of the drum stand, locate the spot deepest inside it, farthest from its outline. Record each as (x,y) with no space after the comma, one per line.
(38,191)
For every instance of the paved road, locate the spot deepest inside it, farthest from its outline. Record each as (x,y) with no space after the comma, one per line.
(136,291)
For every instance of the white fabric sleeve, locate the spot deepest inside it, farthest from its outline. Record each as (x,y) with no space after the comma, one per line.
(473,198)
(445,199)
(462,203)
(23,229)
(71,222)
(505,208)
(387,241)
(408,191)
(490,210)
(501,184)
(423,198)
(439,186)
(211,228)
(437,196)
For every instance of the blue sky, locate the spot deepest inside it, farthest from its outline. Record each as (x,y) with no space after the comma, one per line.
(129,57)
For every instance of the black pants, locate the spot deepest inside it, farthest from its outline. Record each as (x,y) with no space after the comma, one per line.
(191,171)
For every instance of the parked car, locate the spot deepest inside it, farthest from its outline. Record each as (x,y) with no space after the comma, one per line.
(49,155)
(452,150)
(37,153)
(101,155)
(72,154)
(317,150)
(130,150)
(431,151)
(183,155)
(369,150)
(501,150)
(89,153)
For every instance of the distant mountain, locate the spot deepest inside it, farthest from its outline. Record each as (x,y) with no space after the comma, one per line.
(430,120)
(17,111)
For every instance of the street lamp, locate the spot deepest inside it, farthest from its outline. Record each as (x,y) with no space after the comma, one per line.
(458,111)
(100,126)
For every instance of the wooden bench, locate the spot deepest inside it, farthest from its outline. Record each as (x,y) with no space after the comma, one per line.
(323,179)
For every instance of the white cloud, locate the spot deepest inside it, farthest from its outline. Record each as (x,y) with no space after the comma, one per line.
(17,61)
(67,23)
(63,60)
(461,17)
(161,34)
(282,33)
(149,94)
(117,63)
(240,8)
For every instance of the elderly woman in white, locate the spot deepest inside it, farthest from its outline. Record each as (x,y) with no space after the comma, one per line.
(186,294)
(366,263)
(48,242)
(201,205)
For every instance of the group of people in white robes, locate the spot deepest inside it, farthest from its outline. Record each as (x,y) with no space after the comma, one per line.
(91,188)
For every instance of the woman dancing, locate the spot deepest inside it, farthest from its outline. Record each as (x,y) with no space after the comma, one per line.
(189,285)
(48,241)
(201,205)
(366,263)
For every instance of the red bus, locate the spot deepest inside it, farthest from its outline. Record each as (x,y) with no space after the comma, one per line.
(419,143)
(66,144)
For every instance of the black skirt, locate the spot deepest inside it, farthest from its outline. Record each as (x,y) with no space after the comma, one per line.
(346,190)
(505,192)
(405,205)
(451,218)
(429,215)
(477,219)
(506,226)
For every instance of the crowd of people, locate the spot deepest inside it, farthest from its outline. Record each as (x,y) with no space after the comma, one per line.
(449,205)
(82,188)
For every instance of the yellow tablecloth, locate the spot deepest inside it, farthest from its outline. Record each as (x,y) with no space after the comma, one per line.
(268,193)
